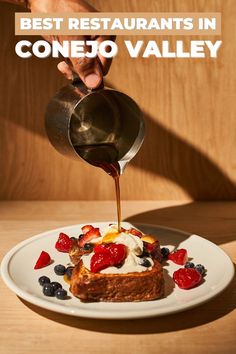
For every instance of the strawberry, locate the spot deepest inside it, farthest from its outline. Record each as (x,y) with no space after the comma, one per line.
(187,278)
(150,247)
(90,235)
(102,248)
(99,261)
(106,255)
(135,232)
(179,257)
(117,253)
(86,228)
(153,250)
(64,243)
(43,260)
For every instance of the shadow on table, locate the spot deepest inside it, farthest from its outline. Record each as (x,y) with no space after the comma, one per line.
(209,312)
(215,221)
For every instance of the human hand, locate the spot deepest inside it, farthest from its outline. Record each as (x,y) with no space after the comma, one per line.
(90,70)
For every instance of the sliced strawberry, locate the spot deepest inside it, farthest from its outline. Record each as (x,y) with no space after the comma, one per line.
(117,253)
(150,247)
(153,249)
(179,257)
(99,261)
(90,235)
(187,278)
(135,232)
(64,243)
(102,248)
(86,228)
(43,260)
(106,255)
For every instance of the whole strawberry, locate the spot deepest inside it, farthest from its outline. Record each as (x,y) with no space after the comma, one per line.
(64,243)
(187,278)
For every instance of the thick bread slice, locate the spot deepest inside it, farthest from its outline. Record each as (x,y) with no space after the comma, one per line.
(144,286)
(76,253)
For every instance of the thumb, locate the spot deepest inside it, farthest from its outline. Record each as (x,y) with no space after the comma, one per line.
(89,71)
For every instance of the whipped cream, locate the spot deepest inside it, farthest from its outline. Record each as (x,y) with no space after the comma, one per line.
(133,243)
(132,262)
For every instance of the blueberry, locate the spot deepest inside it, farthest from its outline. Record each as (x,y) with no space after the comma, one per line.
(48,290)
(189,265)
(44,280)
(145,262)
(69,271)
(56,285)
(61,294)
(73,239)
(200,268)
(88,246)
(165,252)
(60,269)
(119,265)
(81,236)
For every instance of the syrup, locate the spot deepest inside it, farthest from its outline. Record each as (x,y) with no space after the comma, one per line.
(66,279)
(104,156)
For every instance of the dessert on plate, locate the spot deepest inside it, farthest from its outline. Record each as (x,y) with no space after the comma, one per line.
(116,266)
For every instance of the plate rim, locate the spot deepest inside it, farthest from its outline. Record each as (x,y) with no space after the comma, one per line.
(89,313)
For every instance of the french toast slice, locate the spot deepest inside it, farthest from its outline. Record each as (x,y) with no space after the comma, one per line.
(76,253)
(135,286)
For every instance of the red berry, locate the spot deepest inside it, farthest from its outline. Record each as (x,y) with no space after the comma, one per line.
(106,255)
(135,232)
(86,228)
(187,278)
(102,248)
(90,235)
(64,243)
(179,257)
(43,260)
(153,249)
(150,247)
(99,261)
(117,253)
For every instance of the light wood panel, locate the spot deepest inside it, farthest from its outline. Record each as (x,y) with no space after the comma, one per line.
(189,105)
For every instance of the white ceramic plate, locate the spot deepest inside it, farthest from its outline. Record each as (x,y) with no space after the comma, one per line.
(18,273)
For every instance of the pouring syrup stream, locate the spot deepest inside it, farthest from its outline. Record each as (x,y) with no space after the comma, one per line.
(104,156)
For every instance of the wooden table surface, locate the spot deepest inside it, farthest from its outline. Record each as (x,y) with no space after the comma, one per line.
(209,328)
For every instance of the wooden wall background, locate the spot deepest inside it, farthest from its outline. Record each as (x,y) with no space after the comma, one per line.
(189,105)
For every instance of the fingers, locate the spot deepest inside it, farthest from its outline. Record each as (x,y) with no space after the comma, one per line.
(65,70)
(105,62)
(89,71)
